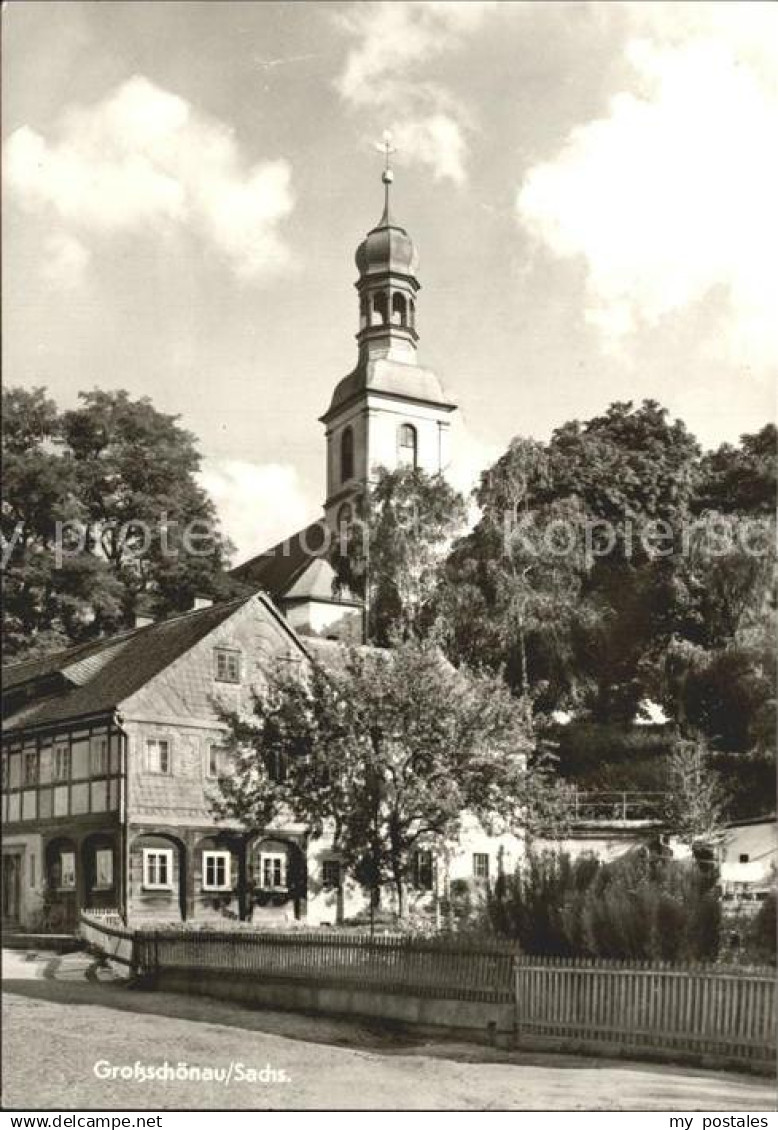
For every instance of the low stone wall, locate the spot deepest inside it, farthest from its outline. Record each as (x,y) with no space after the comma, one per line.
(481,1021)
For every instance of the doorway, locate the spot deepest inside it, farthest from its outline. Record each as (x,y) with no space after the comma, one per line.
(12,889)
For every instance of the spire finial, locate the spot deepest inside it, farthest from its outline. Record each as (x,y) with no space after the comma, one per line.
(387,176)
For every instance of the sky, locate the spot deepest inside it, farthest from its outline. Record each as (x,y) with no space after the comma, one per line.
(592,188)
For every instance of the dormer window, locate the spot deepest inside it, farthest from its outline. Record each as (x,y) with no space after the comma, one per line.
(347,455)
(226,665)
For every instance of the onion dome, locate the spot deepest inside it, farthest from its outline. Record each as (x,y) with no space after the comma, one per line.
(387,249)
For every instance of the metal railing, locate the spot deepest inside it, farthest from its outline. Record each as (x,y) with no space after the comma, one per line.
(616,806)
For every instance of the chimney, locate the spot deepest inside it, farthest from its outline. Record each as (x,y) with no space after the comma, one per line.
(202,602)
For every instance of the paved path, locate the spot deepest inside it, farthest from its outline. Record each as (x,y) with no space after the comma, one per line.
(64,1014)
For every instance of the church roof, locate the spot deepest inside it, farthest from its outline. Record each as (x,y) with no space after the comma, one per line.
(280,567)
(396,379)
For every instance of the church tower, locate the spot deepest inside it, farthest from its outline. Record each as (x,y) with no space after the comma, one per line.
(389,410)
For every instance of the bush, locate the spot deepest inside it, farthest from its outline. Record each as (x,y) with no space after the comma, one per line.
(639,908)
(751,938)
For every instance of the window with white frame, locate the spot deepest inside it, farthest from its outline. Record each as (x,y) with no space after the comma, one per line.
(408,445)
(421,869)
(158,755)
(480,865)
(103,869)
(219,762)
(272,866)
(216,871)
(98,755)
(61,770)
(30,767)
(67,870)
(226,665)
(158,868)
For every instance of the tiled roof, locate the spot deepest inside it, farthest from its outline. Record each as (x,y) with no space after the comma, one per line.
(277,569)
(100,675)
(29,670)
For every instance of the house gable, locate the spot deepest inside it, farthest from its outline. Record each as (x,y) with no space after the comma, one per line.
(187,689)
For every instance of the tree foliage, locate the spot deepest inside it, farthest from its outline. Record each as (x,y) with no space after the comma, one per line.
(608,557)
(393,552)
(386,750)
(695,798)
(100,508)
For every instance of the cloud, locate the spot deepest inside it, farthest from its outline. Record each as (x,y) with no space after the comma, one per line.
(436,141)
(143,157)
(671,196)
(259,504)
(64,260)
(392,42)
(392,37)
(472,456)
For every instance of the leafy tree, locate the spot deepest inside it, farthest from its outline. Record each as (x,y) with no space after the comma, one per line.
(386,750)
(649,573)
(100,505)
(630,466)
(724,578)
(512,584)
(49,600)
(393,553)
(635,472)
(696,799)
(741,480)
(577,595)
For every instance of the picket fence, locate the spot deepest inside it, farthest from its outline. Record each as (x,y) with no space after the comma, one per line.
(704,1010)
(707,1010)
(389,963)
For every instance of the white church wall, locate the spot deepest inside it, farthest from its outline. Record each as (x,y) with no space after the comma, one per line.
(326,619)
(385,418)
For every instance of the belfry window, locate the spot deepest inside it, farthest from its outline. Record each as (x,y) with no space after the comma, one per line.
(399,309)
(381,307)
(347,455)
(408,445)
